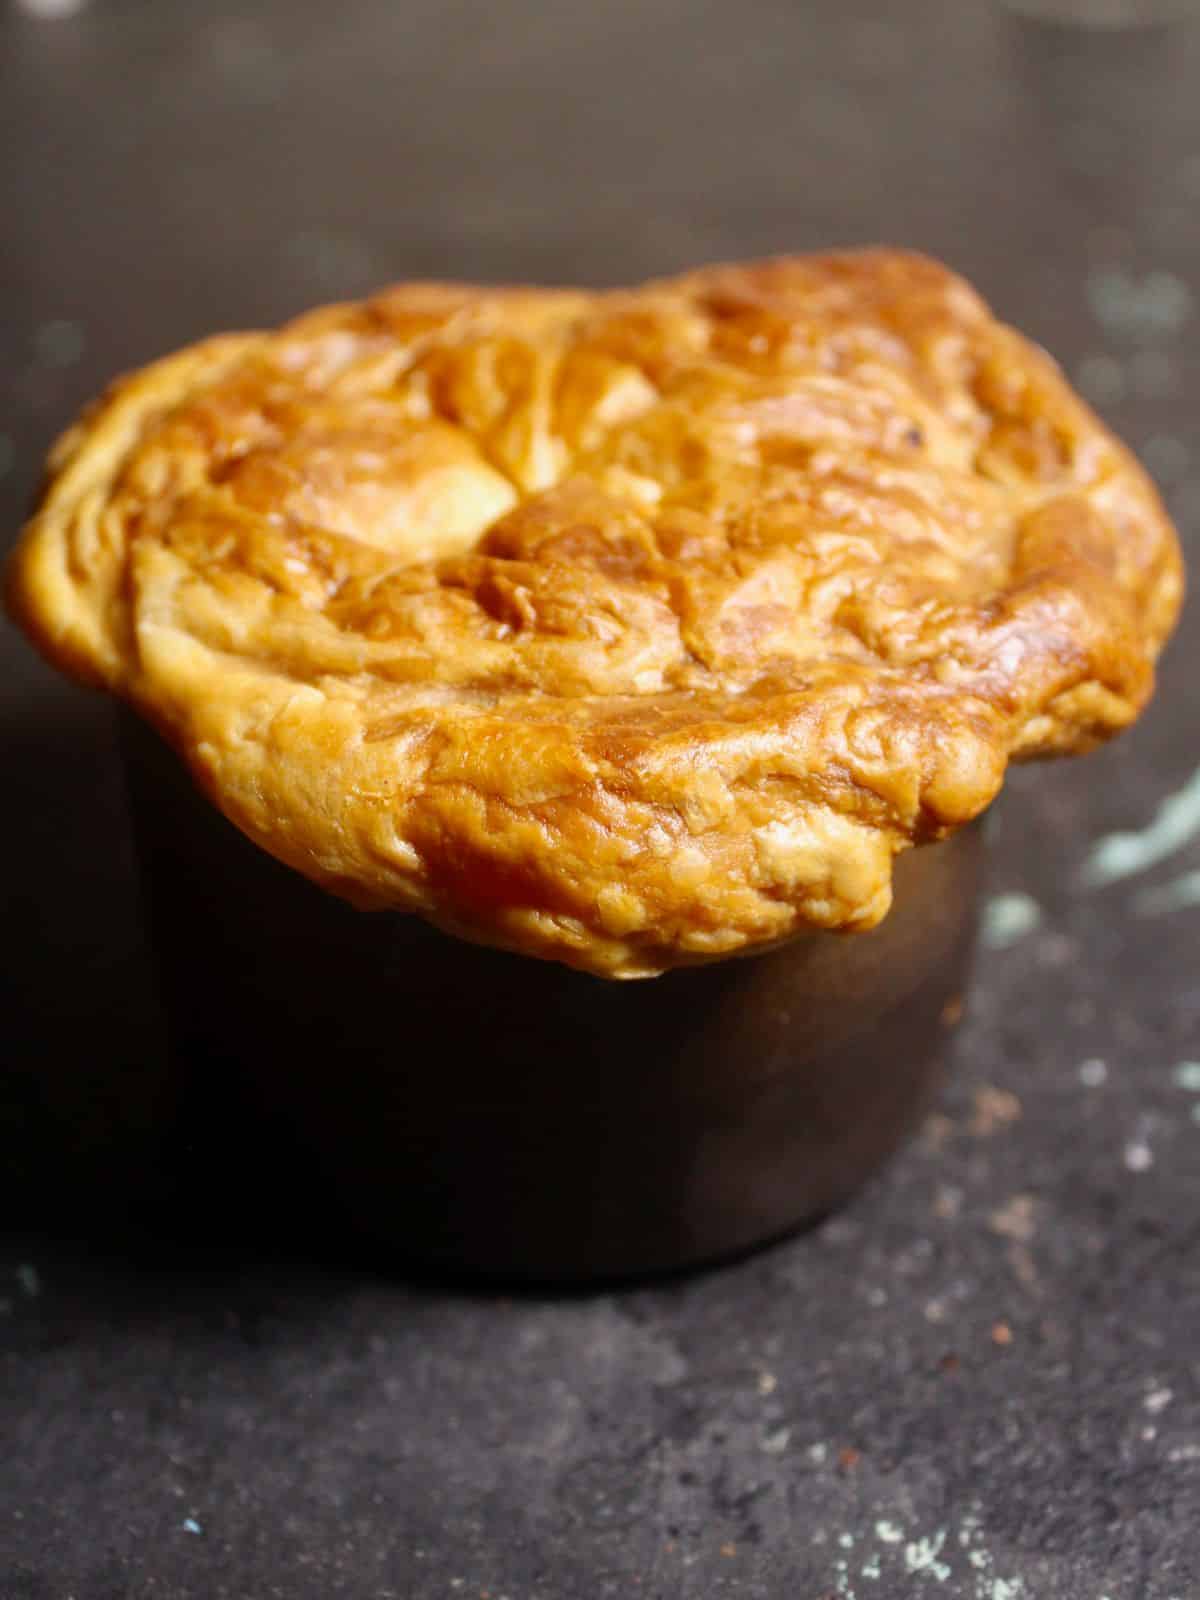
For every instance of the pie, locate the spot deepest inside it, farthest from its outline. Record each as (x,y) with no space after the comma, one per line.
(628,629)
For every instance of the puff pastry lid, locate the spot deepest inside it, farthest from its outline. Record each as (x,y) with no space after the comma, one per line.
(625,629)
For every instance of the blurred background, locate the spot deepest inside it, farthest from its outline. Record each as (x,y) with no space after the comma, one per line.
(168,169)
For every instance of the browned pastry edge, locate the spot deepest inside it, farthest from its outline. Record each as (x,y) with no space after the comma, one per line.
(626,629)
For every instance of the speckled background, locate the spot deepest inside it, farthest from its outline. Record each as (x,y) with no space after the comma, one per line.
(982,1382)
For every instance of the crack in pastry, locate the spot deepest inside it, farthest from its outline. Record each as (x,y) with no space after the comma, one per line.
(627,629)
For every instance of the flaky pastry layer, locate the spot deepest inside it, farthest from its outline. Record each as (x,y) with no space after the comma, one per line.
(626,629)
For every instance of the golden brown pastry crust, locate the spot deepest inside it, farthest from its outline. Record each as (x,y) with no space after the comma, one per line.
(626,629)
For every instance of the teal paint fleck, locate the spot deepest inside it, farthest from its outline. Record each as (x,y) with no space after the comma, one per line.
(190,1525)
(1120,855)
(1008,918)
(1177,895)
(921,1555)
(1005,1589)
(29,1279)
(1187,1076)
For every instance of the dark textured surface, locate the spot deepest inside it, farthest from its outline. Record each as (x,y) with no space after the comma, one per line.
(983,1380)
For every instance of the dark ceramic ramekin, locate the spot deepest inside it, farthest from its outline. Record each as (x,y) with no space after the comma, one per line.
(492,1115)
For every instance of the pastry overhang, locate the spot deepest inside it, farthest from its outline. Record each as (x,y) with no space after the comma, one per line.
(627,629)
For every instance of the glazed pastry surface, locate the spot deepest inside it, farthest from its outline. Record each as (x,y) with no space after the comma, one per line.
(626,629)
